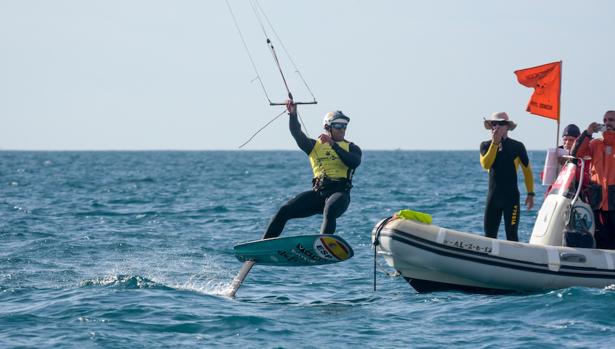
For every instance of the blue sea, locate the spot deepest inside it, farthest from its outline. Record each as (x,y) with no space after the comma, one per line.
(135,249)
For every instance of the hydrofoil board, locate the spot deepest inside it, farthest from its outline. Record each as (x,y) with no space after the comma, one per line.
(303,250)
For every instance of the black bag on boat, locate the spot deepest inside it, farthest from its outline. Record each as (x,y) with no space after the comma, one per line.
(592,194)
(576,234)
(581,239)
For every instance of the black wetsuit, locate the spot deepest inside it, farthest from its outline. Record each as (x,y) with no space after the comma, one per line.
(329,198)
(503,195)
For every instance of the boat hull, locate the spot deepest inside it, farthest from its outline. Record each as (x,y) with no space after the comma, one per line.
(434,258)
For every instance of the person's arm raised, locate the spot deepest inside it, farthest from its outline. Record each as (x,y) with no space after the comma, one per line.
(306,144)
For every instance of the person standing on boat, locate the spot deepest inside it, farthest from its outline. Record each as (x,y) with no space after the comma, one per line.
(569,136)
(333,160)
(602,152)
(501,156)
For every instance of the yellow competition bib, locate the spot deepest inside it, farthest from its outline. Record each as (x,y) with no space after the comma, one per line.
(326,163)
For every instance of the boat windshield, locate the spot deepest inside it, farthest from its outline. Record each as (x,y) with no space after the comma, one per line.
(565,184)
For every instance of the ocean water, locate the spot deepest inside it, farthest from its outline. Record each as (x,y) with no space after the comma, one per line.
(135,249)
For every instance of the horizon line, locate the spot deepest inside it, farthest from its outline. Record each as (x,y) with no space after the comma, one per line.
(212,150)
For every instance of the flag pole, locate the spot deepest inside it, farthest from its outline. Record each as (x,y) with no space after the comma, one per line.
(559,105)
(557,134)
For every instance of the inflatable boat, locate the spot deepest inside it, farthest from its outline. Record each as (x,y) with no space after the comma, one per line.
(560,252)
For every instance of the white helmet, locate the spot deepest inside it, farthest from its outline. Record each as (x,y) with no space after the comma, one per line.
(335,116)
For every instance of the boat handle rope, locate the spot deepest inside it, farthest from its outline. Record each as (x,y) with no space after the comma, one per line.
(580,184)
(377,242)
(571,214)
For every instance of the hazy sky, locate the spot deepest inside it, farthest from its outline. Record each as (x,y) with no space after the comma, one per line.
(113,75)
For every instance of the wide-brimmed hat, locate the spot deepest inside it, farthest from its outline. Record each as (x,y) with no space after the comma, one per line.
(499,116)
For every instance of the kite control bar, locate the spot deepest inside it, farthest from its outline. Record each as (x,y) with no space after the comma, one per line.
(314,102)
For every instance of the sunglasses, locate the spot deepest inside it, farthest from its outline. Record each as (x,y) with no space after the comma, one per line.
(499,123)
(338,126)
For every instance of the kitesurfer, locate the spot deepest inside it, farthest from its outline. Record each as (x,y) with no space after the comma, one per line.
(501,156)
(333,160)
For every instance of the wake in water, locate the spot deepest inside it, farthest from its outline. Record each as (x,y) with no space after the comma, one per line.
(214,279)
(169,273)
(124,281)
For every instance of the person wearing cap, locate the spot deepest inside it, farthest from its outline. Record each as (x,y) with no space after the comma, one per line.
(602,153)
(334,160)
(570,134)
(501,156)
(569,137)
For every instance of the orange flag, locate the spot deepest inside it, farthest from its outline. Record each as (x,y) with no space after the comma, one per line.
(546,80)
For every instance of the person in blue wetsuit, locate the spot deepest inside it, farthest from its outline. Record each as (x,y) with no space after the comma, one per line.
(501,156)
(333,160)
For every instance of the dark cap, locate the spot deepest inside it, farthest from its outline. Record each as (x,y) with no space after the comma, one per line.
(571,130)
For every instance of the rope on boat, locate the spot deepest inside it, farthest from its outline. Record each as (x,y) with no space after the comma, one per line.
(376,243)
